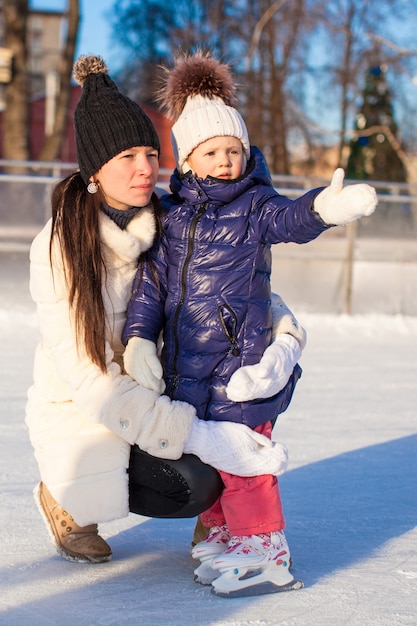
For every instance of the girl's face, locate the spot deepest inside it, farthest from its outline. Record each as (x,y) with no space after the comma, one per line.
(129,178)
(220,157)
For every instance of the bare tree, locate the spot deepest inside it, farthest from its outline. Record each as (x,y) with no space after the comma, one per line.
(53,144)
(270,61)
(16,144)
(16,114)
(152,33)
(298,63)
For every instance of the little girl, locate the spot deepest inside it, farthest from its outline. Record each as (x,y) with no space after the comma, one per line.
(207,287)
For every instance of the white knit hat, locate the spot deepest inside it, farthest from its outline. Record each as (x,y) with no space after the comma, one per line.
(198,93)
(203,118)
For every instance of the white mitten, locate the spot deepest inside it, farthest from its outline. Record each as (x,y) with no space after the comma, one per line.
(339,205)
(142,364)
(270,375)
(236,449)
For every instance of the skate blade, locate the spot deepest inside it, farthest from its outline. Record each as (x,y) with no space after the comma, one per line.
(261,589)
(204,574)
(242,583)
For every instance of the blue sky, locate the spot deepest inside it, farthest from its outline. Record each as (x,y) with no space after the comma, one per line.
(95,30)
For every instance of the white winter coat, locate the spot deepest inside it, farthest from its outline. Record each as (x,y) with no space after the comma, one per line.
(81,422)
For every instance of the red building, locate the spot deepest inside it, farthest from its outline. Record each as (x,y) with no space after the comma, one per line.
(68,154)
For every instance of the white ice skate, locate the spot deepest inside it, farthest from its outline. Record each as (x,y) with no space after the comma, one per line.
(215,543)
(254,565)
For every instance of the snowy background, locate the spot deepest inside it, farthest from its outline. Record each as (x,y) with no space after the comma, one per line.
(350,495)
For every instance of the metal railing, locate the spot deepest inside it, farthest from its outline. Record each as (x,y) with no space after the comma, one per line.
(25,188)
(25,207)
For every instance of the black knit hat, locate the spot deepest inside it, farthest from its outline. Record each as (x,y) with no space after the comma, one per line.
(106,122)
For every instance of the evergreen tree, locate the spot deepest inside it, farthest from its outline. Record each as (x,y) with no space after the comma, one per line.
(372,157)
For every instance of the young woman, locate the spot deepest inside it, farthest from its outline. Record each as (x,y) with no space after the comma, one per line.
(104,444)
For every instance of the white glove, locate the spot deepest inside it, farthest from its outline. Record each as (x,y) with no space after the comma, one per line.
(270,375)
(339,205)
(142,364)
(236,449)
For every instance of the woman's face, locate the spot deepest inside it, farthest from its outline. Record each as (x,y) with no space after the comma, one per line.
(129,178)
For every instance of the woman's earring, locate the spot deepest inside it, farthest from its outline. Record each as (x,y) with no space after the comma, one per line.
(92,187)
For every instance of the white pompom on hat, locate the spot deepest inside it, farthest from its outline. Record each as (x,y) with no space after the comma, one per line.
(198,93)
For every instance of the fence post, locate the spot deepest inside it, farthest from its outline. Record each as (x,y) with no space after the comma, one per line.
(350,258)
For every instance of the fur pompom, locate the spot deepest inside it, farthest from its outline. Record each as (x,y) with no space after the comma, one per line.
(192,75)
(88,64)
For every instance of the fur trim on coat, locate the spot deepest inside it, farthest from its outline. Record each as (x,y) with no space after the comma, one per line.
(81,422)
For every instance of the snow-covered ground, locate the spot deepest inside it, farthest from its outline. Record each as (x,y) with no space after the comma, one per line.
(350,496)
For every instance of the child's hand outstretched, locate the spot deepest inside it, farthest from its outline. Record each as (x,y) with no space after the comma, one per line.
(339,205)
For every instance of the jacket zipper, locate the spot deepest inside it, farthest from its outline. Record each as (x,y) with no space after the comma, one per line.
(190,250)
(231,333)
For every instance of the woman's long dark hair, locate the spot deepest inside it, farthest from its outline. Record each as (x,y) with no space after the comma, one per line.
(76,225)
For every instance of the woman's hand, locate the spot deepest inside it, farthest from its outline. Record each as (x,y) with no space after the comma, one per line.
(236,449)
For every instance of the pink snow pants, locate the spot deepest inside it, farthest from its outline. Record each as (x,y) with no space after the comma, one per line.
(248,505)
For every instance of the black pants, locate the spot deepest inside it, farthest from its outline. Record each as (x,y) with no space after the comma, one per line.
(162,488)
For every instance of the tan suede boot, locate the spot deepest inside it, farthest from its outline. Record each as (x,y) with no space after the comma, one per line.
(200,532)
(81,544)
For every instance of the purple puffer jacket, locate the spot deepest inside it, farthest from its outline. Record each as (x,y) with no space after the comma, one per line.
(213,296)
